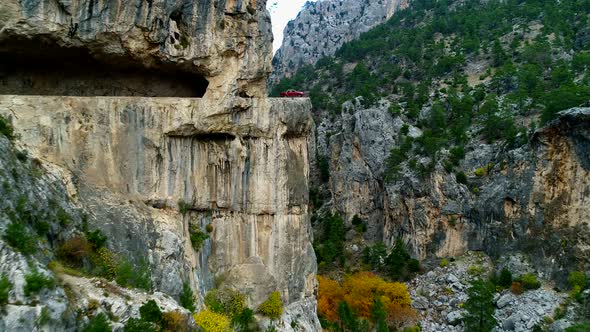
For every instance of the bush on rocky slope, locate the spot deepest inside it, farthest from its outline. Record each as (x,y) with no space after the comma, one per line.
(362,295)
(6,128)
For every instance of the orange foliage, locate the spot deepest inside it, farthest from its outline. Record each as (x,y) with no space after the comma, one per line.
(516,288)
(329,296)
(359,291)
(399,316)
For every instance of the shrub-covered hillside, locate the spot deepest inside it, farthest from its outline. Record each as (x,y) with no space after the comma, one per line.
(461,70)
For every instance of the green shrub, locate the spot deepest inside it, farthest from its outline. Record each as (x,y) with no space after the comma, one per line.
(187,298)
(63,218)
(273,307)
(183,207)
(505,278)
(5,287)
(559,312)
(96,238)
(529,281)
(359,224)
(100,323)
(356,220)
(576,292)
(150,312)
(214,302)
(6,128)
(461,178)
(476,270)
(375,256)
(480,172)
(225,301)
(129,276)
(36,281)
(140,325)
(197,236)
(41,227)
(395,110)
(443,262)
(209,228)
(329,245)
(397,261)
(414,265)
(577,278)
(22,156)
(583,327)
(244,319)
(44,317)
(18,236)
(457,154)
(184,41)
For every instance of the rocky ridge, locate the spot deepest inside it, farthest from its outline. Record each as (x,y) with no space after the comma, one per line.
(323,26)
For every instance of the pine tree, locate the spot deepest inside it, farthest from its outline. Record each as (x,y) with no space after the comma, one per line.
(480,307)
(396,261)
(379,316)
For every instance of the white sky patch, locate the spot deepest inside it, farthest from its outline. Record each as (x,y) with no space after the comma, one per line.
(281,12)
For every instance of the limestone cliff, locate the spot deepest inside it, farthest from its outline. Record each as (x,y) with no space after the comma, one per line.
(146,170)
(532,200)
(323,26)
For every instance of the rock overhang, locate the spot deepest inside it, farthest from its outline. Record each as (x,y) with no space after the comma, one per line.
(133,145)
(227,45)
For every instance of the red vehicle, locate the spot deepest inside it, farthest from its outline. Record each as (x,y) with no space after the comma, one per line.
(292,93)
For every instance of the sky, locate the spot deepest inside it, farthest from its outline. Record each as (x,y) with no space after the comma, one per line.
(281,12)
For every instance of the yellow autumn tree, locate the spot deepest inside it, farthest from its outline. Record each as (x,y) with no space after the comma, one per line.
(329,296)
(360,291)
(210,321)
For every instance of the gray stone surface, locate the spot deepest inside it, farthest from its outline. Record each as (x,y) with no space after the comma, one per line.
(496,212)
(440,302)
(504,300)
(174,36)
(323,26)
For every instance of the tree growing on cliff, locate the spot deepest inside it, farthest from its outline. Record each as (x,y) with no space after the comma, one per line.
(399,264)
(330,245)
(480,307)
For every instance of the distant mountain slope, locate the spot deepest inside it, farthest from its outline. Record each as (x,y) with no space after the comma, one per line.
(323,26)
(453,143)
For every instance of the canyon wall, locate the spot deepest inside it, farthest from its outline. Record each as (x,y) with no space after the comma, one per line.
(531,200)
(87,87)
(323,26)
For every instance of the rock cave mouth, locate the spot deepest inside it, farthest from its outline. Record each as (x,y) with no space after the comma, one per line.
(54,71)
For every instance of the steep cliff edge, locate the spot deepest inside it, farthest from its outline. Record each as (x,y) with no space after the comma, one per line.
(323,26)
(532,200)
(428,132)
(210,192)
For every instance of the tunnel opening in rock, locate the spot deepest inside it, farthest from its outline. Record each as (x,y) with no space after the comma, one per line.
(27,69)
